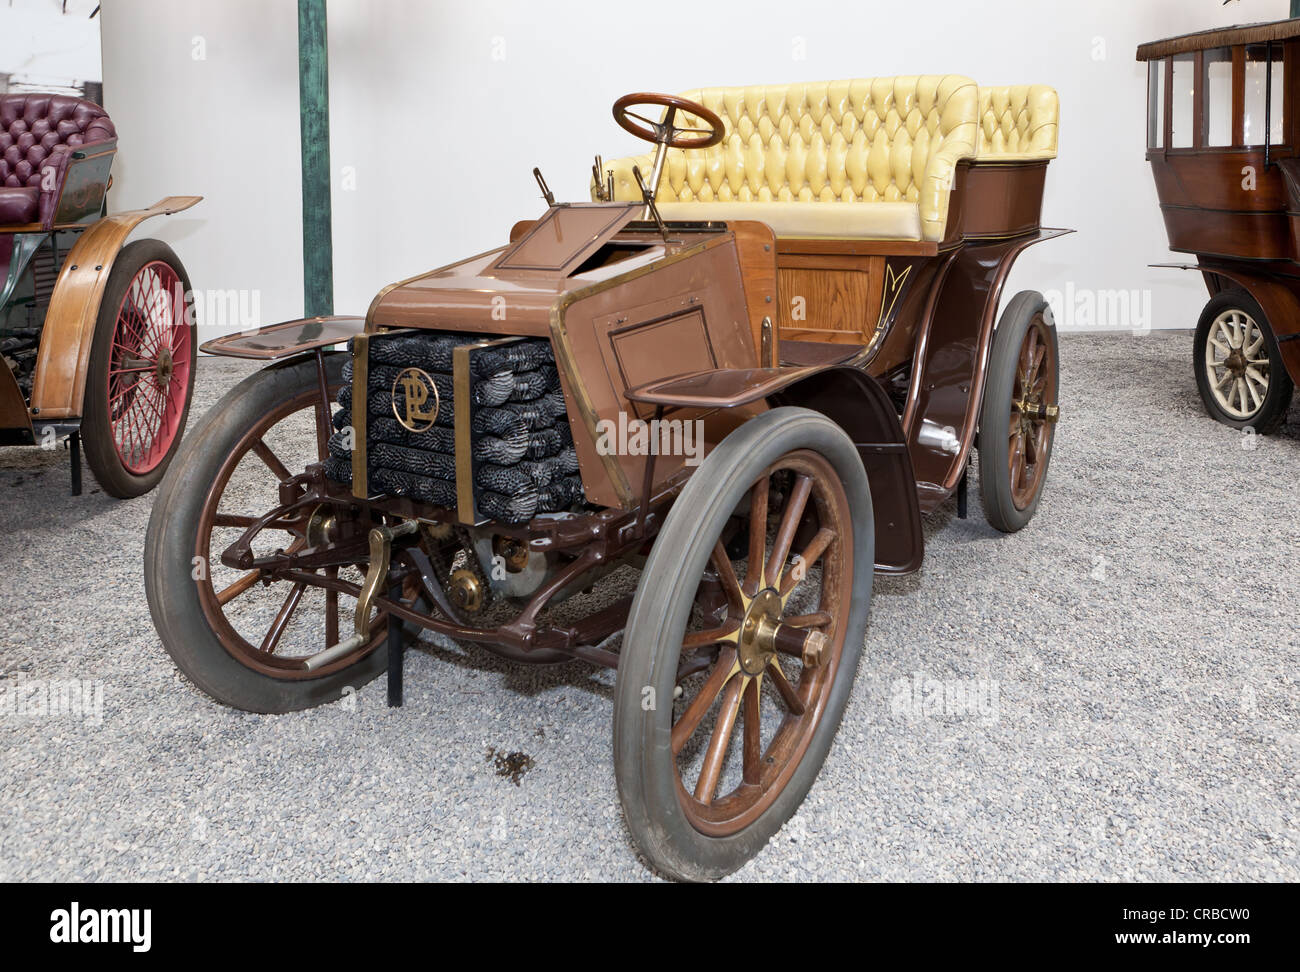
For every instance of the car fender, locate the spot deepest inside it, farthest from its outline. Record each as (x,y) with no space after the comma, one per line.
(64,355)
(1277,298)
(847,396)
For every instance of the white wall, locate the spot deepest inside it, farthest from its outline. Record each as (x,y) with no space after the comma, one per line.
(41,43)
(439,110)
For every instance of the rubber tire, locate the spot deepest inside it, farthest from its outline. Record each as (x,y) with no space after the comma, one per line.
(170,543)
(96,428)
(1272,413)
(643,763)
(995,413)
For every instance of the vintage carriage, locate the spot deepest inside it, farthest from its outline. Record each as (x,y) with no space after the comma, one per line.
(811,288)
(1222,132)
(97,337)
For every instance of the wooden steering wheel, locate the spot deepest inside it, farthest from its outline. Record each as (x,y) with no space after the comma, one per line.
(665,132)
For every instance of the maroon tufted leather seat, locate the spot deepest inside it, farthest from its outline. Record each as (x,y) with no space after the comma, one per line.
(37,135)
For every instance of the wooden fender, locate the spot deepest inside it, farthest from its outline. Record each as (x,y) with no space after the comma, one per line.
(64,355)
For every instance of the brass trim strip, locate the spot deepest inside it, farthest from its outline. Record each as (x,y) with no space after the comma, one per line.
(360,404)
(462,403)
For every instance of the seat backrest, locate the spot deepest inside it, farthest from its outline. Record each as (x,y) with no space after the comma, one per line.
(34,127)
(862,140)
(1018,122)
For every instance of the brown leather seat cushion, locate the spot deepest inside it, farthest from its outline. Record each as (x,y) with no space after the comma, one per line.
(18,206)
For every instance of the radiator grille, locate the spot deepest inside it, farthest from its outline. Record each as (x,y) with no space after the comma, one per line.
(521,458)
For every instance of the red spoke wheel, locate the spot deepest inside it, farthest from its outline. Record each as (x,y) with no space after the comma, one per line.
(1018,419)
(141,373)
(243,638)
(734,673)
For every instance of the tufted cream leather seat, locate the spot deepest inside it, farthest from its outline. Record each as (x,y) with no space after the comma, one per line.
(1018,122)
(888,147)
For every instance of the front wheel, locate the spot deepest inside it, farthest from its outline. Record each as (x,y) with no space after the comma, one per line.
(733,677)
(242,637)
(141,372)
(1239,370)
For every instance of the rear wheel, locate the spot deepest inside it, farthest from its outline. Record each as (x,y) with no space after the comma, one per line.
(141,372)
(1239,370)
(726,705)
(1018,417)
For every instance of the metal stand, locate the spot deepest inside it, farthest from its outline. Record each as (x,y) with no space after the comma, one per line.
(961,494)
(396,654)
(74,447)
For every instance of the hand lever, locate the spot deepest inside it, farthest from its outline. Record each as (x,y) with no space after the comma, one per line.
(546,192)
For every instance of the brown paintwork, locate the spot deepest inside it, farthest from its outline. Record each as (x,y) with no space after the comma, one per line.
(61,363)
(281,340)
(999,199)
(720,388)
(950,365)
(626,308)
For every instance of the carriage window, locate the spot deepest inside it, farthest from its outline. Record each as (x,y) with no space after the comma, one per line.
(1155,104)
(1184,85)
(1258,101)
(1216,88)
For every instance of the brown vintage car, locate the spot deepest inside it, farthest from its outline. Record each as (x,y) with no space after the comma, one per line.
(1222,137)
(748,383)
(97,335)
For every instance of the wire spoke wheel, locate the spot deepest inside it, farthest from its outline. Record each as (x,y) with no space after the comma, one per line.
(148,374)
(141,373)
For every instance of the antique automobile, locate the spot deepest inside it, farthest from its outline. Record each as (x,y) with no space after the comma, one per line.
(745,369)
(97,337)
(1222,131)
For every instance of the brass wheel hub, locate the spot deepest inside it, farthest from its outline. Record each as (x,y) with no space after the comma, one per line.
(165,365)
(756,643)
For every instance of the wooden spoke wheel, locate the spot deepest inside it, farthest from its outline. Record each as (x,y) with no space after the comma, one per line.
(243,637)
(1018,418)
(1239,370)
(141,372)
(735,671)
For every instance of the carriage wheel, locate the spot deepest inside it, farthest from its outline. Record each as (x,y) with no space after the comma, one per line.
(244,642)
(726,706)
(1239,370)
(1018,418)
(141,373)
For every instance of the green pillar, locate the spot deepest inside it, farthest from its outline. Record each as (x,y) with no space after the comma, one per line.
(314,108)
(1295,8)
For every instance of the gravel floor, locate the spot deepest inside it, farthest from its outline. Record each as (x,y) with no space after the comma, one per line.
(1121,695)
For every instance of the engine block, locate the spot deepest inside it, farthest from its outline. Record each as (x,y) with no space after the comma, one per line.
(474,424)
